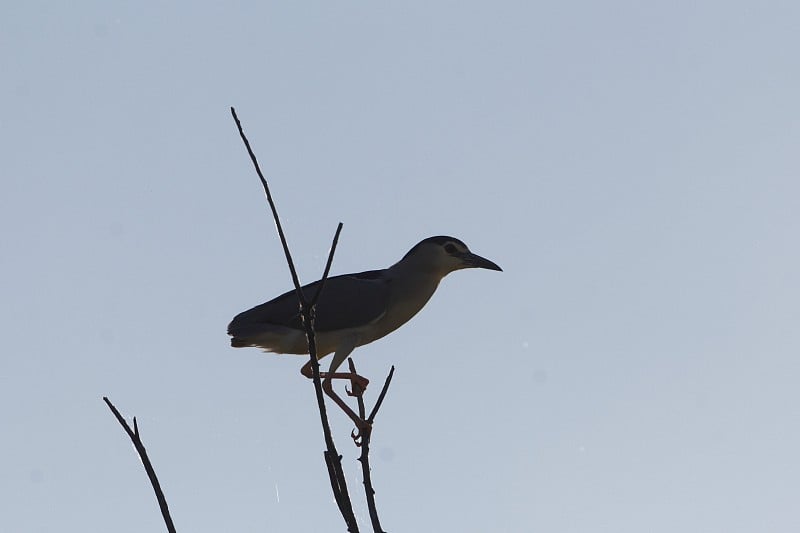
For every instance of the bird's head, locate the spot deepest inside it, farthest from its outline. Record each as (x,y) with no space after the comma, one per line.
(443,255)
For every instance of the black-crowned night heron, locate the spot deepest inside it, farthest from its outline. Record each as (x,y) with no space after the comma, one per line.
(355,309)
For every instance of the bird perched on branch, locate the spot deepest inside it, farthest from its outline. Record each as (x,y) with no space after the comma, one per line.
(355,309)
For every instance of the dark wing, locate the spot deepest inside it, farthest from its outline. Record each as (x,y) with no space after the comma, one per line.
(347,301)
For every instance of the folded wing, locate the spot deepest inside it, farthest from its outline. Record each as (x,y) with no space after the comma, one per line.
(347,301)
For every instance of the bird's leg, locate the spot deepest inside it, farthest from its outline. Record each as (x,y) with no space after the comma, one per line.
(356,380)
(358,383)
(327,386)
(360,423)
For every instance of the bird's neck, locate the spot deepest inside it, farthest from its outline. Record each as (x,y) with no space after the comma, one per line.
(412,286)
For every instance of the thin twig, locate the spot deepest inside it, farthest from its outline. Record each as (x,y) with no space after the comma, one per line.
(286,252)
(364,441)
(381,396)
(327,266)
(133,434)
(333,460)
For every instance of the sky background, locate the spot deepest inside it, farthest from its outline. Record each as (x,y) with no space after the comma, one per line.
(633,167)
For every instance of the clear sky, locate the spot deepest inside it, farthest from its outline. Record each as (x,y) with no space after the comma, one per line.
(633,167)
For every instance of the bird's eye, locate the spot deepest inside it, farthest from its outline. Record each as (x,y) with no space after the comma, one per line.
(450,248)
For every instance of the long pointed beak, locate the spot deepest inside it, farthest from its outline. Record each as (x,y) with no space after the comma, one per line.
(475,261)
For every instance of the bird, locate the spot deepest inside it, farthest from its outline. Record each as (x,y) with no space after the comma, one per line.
(355,309)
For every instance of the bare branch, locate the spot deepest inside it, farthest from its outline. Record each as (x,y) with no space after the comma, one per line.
(286,252)
(133,434)
(333,460)
(381,396)
(363,439)
(327,265)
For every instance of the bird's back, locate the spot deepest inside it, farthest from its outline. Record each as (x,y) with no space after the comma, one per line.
(347,301)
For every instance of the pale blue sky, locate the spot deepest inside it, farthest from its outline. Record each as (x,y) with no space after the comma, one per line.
(632,166)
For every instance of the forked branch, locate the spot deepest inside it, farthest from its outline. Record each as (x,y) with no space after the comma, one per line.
(133,434)
(363,438)
(333,460)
